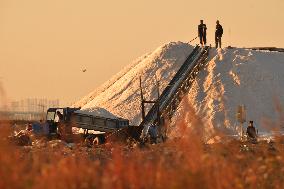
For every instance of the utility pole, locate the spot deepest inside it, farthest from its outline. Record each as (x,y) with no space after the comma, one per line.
(158,100)
(241,117)
(142,100)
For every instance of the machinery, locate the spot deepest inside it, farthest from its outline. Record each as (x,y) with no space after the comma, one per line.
(94,127)
(153,122)
(167,103)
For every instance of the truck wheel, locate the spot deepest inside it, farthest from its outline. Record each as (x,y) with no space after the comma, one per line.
(98,140)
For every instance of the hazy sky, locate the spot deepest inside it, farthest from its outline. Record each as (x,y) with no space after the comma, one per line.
(44,44)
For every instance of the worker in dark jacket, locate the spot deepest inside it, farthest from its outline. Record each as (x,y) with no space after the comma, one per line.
(218,34)
(251,131)
(64,128)
(202,33)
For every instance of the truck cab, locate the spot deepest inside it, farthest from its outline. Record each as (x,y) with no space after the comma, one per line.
(52,118)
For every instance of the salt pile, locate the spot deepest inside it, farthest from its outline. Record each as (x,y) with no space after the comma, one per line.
(232,77)
(98,112)
(121,94)
(241,77)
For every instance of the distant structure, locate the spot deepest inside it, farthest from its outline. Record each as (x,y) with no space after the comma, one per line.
(29,109)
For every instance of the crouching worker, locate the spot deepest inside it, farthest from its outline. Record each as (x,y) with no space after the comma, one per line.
(251,132)
(23,138)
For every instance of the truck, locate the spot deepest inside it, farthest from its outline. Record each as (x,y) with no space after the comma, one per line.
(95,128)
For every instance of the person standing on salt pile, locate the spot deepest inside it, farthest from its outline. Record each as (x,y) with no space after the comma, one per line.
(202,33)
(218,34)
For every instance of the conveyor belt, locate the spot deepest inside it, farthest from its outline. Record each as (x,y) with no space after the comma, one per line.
(169,100)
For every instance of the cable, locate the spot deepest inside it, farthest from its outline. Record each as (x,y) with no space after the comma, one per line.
(193,39)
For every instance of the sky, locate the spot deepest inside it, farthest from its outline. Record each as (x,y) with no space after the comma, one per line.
(45,45)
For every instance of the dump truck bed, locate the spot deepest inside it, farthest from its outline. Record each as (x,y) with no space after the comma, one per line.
(97,123)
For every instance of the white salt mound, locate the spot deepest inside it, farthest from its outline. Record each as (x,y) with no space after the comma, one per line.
(121,94)
(237,76)
(232,77)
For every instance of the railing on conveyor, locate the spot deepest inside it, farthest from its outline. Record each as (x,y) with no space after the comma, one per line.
(169,100)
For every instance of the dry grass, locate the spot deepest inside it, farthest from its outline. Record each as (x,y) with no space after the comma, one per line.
(181,163)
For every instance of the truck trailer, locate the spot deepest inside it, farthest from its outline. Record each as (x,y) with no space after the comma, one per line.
(94,127)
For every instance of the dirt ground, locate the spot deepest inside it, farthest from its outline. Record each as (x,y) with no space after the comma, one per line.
(185,162)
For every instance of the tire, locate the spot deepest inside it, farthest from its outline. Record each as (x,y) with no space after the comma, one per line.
(98,140)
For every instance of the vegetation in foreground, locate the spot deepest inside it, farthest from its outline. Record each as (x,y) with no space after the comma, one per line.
(179,163)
